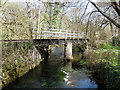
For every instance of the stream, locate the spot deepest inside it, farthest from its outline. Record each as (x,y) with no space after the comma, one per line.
(55,73)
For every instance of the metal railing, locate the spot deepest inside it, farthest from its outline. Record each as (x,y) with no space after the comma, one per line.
(47,33)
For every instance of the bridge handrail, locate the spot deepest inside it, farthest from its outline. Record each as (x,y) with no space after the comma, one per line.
(49,32)
(56,36)
(61,33)
(59,30)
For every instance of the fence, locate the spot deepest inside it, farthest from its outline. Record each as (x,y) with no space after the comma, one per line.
(48,33)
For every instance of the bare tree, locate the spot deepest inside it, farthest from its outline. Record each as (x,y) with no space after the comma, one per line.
(116,7)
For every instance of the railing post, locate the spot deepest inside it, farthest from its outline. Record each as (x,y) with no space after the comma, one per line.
(73,35)
(70,34)
(65,35)
(60,33)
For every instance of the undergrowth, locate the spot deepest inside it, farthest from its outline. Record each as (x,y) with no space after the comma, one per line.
(105,64)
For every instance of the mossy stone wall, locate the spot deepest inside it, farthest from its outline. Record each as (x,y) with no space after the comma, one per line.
(18,58)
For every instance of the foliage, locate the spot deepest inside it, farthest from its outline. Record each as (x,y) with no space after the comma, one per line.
(15,22)
(106,66)
(82,62)
(51,18)
(108,46)
(27,46)
(15,55)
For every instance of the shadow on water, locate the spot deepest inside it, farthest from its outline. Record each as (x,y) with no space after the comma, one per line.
(54,74)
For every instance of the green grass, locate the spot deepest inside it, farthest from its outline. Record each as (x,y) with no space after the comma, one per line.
(108,46)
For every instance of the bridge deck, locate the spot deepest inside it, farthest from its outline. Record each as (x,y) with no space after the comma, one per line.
(48,41)
(58,41)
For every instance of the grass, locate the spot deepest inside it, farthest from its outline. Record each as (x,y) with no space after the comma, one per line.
(105,64)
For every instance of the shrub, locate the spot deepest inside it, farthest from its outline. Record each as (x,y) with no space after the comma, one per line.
(105,65)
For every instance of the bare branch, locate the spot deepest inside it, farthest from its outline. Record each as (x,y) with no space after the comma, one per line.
(109,18)
(116,7)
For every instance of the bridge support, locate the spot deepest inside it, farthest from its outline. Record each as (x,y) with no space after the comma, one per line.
(44,51)
(68,51)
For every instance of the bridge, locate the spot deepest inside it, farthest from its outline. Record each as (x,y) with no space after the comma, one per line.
(47,36)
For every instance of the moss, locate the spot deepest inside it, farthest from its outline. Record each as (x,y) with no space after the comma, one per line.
(17,62)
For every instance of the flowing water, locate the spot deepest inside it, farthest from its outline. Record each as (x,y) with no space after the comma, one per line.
(54,73)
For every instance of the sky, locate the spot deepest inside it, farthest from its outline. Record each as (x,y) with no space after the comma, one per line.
(89,6)
(60,0)
(46,0)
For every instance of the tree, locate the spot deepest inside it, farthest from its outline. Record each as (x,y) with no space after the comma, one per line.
(18,20)
(116,7)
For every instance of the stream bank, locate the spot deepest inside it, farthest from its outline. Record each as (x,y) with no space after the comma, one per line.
(105,67)
(55,73)
(18,59)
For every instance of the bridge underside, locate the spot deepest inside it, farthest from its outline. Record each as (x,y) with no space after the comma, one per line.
(58,41)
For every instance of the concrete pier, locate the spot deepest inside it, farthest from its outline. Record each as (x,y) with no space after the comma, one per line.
(68,51)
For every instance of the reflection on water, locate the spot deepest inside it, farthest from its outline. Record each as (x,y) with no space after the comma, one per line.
(78,79)
(54,74)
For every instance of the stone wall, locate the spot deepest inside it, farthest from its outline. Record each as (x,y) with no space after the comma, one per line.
(17,59)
